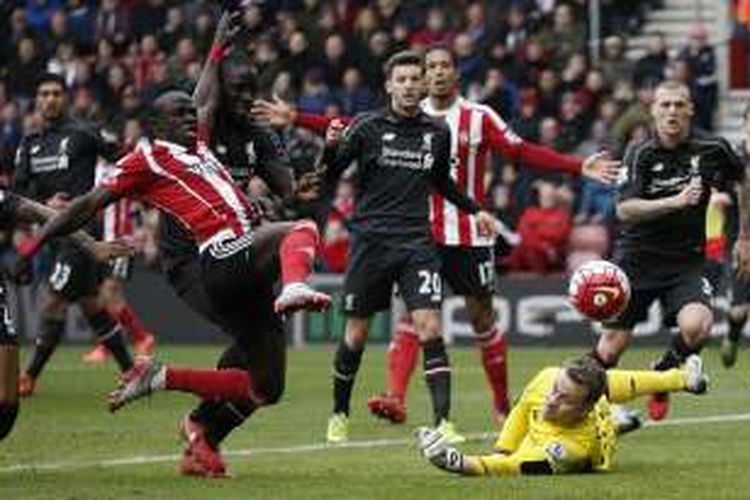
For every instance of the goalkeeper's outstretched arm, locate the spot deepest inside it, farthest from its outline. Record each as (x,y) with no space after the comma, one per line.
(449,459)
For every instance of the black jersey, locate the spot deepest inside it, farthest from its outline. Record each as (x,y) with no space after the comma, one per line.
(400,160)
(660,249)
(246,149)
(60,159)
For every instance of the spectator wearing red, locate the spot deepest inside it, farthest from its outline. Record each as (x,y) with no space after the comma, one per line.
(544,229)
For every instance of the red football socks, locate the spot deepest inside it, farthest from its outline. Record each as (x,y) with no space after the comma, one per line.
(231,384)
(297,252)
(127,317)
(403,353)
(493,349)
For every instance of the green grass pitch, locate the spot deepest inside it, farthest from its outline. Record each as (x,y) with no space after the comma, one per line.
(67,446)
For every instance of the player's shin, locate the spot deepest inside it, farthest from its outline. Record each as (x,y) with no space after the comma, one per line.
(45,344)
(109,333)
(345,366)
(493,350)
(403,353)
(437,372)
(297,252)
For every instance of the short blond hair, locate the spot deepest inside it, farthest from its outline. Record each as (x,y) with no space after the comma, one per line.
(674,85)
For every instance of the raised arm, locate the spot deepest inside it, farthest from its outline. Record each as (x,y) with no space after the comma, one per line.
(206,93)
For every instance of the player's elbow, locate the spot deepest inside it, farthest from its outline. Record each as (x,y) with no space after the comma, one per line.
(624,212)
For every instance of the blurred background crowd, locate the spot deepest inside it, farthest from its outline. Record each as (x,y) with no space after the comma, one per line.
(528,59)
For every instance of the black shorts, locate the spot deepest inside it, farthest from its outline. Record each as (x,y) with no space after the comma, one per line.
(470,271)
(74,273)
(373,269)
(690,288)
(240,297)
(120,268)
(185,278)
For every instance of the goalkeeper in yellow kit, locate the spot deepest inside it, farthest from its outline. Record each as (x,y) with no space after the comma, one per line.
(562,422)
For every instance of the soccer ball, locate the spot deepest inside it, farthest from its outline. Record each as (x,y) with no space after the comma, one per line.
(599,290)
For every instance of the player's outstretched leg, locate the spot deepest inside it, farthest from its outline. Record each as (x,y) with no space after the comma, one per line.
(148,376)
(403,353)
(625,385)
(297,254)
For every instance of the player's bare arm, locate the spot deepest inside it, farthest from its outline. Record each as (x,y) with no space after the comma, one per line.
(31,211)
(80,211)
(206,93)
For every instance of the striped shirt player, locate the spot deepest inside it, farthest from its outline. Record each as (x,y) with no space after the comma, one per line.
(191,186)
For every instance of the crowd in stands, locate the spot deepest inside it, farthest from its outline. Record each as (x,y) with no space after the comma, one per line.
(528,59)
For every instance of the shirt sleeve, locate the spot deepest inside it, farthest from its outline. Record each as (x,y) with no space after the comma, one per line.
(273,163)
(503,140)
(630,183)
(22,181)
(318,123)
(338,157)
(131,175)
(732,166)
(441,178)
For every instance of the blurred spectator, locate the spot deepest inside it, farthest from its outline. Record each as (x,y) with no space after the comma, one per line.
(565,37)
(614,63)
(649,70)
(354,96)
(335,244)
(544,229)
(435,32)
(25,68)
(701,58)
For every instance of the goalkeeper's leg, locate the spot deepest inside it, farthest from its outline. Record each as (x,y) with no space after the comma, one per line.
(624,385)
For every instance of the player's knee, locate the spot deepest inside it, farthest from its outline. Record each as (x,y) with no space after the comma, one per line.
(356,334)
(695,321)
(427,325)
(481,315)
(8,414)
(270,390)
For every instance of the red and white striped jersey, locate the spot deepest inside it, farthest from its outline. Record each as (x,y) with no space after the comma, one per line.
(476,130)
(193,186)
(117,218)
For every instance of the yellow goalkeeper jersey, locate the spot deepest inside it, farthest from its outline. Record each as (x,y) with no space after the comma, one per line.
(528,437)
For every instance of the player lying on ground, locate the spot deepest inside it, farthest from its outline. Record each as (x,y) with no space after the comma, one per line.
(563,422)
(15,209)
